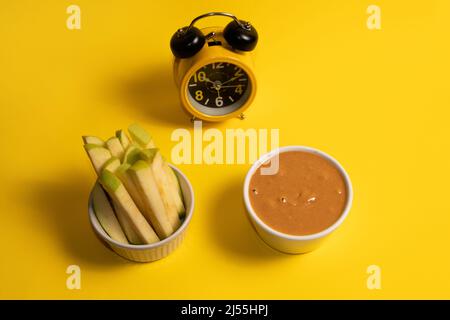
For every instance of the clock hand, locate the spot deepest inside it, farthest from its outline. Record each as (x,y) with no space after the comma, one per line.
(218,93)
(229,80)
(231,86)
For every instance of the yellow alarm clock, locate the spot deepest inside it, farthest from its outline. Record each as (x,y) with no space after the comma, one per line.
(213,68)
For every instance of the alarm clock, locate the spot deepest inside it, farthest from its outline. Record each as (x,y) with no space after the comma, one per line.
(213,68)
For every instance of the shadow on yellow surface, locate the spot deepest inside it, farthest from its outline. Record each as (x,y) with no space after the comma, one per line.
(62,205)
(152,95)
(232,229)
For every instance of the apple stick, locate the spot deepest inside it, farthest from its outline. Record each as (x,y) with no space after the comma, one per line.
(106,216)
(126,225)
(114,165)
(140,136)
(175,189)
(123,138)
(127,208)
(124,176)
(155,160)
(114,145)
(98,156)
(144,179)
(93,140)
(132,154)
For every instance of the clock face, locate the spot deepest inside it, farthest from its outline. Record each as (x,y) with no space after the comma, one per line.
(219,85)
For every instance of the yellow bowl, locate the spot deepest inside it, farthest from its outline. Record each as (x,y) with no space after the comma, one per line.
(154,251)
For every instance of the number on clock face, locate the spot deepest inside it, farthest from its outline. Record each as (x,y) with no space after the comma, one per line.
(218,84)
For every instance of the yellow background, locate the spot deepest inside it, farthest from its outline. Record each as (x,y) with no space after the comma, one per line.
(378,101)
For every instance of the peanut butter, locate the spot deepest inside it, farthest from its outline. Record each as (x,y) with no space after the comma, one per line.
(306,196)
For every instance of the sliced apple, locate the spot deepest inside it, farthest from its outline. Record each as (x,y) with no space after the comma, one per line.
(98,156)
(123,138)
(106,216)
(154,159)
(149,154)
(175,188)
(114,145)
(127,208)
(112,164)
(144,179)
(140,136)
(132,154)
(93,140)
(124,176)
(132,236)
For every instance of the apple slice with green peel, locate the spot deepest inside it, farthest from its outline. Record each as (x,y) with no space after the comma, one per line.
(149,154)
(124,176)
(123,138)
(144,179)
(112,164)
(93,140)
(175,188)
(132,154)
(126,225)
(140,136)
(98,156)
(114,145)
(106,216)
(154,159)
(127,208)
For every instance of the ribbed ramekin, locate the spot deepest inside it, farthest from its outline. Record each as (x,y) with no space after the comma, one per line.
(154,251)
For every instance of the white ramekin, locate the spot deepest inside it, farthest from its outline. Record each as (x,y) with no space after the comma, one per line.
(285,242)
(154,251)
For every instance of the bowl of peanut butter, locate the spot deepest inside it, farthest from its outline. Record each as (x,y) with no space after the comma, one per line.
(296,197)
